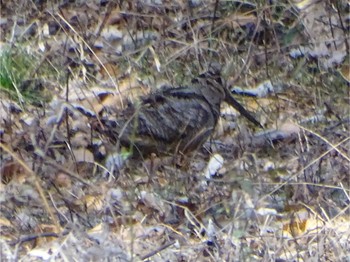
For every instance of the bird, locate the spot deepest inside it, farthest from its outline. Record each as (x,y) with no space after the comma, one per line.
(174,119)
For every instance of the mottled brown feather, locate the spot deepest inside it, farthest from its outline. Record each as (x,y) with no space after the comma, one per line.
(174,119)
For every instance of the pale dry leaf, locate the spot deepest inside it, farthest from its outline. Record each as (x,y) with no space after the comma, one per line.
(215,163)
(44,252)
(83,155)
(80,139)
(112,33)
(289,128)
(263,211)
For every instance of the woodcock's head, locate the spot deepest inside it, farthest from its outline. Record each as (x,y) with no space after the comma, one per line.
(219,92)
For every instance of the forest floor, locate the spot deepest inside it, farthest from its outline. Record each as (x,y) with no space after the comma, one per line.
(280,193)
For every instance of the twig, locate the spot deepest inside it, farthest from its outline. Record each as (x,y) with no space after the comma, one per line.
(31,237)
(152,253)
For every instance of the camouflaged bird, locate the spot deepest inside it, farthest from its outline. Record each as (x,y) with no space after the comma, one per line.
(174,120)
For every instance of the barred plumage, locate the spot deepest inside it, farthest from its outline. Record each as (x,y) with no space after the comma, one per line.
(174,119)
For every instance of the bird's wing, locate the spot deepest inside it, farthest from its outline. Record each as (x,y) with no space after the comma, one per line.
(170,120)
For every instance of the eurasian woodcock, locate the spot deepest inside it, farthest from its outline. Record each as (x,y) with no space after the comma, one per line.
(174,120)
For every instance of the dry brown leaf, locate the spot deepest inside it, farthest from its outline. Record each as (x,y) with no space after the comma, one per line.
(345,72)
(83,155)
(12,171)
(94,203)
(300,221)
(80,139)
(112,102)
(114,17)
(112,68)
(63,180)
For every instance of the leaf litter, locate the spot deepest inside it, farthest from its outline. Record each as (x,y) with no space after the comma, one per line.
(284,192)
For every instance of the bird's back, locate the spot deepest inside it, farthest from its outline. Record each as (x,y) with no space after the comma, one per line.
(172,120)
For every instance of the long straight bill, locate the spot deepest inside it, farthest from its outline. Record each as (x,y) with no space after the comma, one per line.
(233,102)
